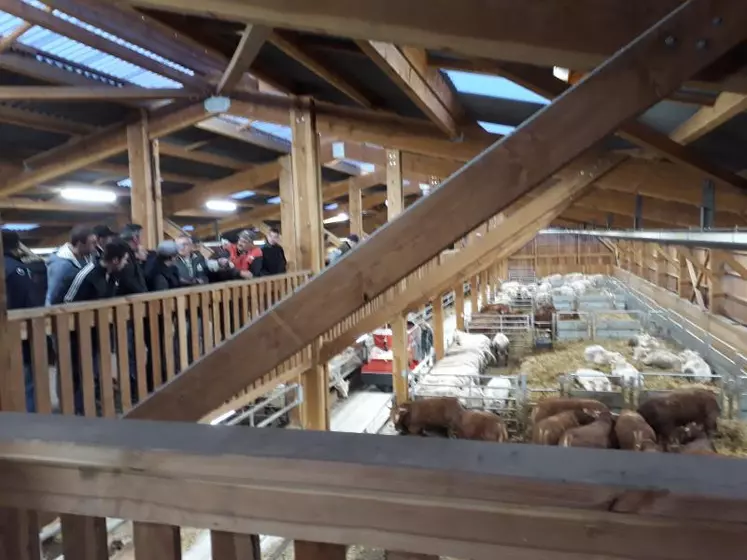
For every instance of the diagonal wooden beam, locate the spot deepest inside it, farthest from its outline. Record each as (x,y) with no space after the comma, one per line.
(394,64)
(252,39)
(292,49)
(727,106)
(506,172)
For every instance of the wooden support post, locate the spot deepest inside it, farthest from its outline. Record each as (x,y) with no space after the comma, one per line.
(484,287)
(142,199)
(307,182)
(19,529)
(289,218)
(155,151)
(355,210)
(394,190)
(439,341)
(156,542)
(234,546)
(400,361)
(459,305)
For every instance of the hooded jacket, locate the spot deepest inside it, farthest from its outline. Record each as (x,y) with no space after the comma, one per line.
(61,269)
(91,283)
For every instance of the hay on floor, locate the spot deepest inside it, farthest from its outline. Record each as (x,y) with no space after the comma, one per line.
(731,438)
(544,369)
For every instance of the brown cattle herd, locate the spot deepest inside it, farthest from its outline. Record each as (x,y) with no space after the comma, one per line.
(682,421)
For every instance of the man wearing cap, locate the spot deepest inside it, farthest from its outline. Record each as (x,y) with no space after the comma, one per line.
(245,256)
(104,235)
(132,279)
(160,273)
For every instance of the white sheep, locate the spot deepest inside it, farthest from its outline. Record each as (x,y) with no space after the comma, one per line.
(544,287)
(497,392)
(543,299)
(596,280)
(593,380)
(556,280)
(695,365)
(580,287)
(625,374)
(572,277)
(500,345)
(565,291)
(662,359)
(598,356)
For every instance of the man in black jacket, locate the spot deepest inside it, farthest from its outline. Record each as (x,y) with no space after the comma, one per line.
(96,280)
(132,279)
(22,292)
(273,256)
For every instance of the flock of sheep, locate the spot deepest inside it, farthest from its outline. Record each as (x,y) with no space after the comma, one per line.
(647,351)
(460,372)
(681,421)
(542,292)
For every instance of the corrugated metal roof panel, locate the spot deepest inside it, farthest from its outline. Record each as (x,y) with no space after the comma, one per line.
(73,51)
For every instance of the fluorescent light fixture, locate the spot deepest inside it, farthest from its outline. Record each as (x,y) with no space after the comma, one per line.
(273,200)
(494,128)
(561,73)
(332,206)
(242,195)
(125,183)
(220,205)
(44,251)
(259,242)
(425,187)
(338,150)
(88,195)
(341,217)
(188,228)
(19,227)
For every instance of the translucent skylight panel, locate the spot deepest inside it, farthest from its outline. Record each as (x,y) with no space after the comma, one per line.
(188,228)
(365,167)
(273,200)
(9,23)
(278,130)
(492,86)
(242,195)
(126,183)
(331,206)
(78,53)
(235,119)
(19,227)
(494,128)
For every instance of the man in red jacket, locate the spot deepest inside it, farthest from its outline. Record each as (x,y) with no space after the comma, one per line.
(244,255)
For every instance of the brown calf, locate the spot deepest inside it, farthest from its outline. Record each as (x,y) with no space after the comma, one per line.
(634,433)
(551,407)
(437,413)
(597,434)
(482,426)
(679,408)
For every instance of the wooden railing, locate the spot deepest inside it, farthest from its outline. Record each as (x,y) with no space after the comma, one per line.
(452,498)
(134,344)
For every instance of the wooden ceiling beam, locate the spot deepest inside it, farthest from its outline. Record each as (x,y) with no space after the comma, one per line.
(727,106)
(99,146)
(17,203)
(70,94)
(360,125)
(418,164)
(294,50)
(578,34)
(38,121)
(393,62)
(252,39)
(599,218)
(250,179)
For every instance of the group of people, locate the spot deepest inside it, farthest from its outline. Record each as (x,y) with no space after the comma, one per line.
(97,263)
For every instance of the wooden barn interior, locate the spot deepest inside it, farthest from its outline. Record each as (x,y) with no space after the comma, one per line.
(465,144)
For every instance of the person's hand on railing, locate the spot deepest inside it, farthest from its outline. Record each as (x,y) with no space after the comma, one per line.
(246,275)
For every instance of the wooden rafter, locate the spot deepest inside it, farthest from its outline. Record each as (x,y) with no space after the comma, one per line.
(296,51)
(252,39)
(727,106)
(395,64)
(545,84)
(512,168)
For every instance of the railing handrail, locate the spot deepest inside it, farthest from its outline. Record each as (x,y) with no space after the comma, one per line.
(450,497)
(49,311)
